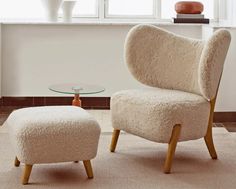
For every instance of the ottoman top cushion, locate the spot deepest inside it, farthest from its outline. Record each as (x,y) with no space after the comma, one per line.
(50,119)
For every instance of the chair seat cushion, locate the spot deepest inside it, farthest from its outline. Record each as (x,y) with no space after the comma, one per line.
(152,112)
(53,134)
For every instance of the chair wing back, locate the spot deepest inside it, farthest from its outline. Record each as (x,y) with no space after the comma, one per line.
(159,58)
(212,62)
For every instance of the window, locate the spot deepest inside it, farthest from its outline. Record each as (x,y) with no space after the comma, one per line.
(21,9)
(86,8)
(168,10)
(34,9)
(130,8)
(147,9)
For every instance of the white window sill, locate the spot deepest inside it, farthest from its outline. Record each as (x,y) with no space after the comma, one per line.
(127,22)
(83,21)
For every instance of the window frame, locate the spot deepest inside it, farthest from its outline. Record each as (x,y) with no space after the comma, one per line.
(156,12)
(102,6)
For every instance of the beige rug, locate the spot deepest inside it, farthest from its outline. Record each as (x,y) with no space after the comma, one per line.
(137,164)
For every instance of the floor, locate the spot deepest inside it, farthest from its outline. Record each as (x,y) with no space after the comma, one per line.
(136,164)
(104,118)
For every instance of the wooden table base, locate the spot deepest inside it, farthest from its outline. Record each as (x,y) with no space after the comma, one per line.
(76,101)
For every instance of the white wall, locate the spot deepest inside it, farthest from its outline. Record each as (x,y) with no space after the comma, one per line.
(227,12)
(227,92)
(36,56)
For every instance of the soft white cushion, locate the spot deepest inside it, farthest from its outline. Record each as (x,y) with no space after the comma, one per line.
(53,134)
(151,113)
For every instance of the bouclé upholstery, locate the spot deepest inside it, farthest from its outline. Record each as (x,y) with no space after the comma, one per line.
(53,134)
(162,59)
(152,113)
(183,75)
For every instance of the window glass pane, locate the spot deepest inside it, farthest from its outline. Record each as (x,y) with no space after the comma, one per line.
(21,9)
(168,8)
(86,7)
(130,7)
(17,9)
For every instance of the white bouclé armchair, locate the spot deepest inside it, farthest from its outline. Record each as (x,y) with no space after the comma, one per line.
(183,76)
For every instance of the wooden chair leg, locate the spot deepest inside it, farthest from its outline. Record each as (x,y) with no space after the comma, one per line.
(208,138)
(26,174)
(114,140)
(171,149)
(88,168)
(17,162)
(210,144)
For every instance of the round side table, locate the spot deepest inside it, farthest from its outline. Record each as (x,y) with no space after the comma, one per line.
(77,89)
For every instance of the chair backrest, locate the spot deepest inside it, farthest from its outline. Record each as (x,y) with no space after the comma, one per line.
(159,58)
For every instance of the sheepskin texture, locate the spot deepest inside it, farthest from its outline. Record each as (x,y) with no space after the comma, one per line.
(53,134)
(151,113)
(184,73)
(212,63)
(162,59)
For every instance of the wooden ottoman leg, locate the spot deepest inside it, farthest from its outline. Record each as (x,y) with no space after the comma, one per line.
(17,162)
(88,168)
(26,174)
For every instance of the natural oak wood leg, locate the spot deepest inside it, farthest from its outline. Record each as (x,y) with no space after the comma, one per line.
(76,101)
(17,162)
(171,149)
(88,168)
(114,140)
(208,138)
(210,145)
(26,174)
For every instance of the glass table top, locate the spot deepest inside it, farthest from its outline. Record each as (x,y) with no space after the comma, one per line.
(76,88)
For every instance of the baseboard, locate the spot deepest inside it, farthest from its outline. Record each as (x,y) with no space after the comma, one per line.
(221,117)
(87,103)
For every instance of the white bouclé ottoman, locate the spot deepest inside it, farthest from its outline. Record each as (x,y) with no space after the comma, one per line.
(52,135)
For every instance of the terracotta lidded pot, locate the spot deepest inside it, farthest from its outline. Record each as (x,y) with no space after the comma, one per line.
(189,7)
